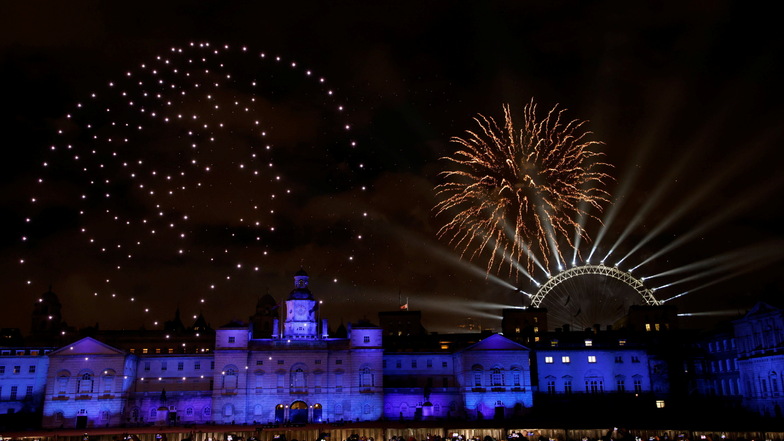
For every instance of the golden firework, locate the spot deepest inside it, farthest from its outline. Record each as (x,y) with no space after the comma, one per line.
(516,193)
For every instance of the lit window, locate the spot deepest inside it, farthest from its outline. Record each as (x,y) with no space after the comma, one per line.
(622,342)
(660,404)
(591,359)
(144,351)
(589,343)
(554,343)
(536,329)
(517,330)
(548,360)
(657,327)
(566,359)
(647,326)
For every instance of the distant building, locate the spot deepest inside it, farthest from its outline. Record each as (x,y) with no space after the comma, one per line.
(283,366)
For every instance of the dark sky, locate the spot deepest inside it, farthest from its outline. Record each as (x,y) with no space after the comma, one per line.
(685,97)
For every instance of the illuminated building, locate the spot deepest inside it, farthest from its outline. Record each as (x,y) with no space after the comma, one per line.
(298,372)
(759,340)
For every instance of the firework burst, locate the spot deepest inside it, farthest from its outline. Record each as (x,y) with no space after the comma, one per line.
(515,193)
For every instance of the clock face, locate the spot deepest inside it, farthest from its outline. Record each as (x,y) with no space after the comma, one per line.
(300,311)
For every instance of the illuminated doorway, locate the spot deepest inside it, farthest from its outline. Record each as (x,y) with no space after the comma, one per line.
(299,412)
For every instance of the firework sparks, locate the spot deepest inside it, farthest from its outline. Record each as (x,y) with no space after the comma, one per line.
(516,193)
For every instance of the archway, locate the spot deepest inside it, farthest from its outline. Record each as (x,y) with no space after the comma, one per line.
(298,413)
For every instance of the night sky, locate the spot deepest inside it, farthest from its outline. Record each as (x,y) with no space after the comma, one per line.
(684,97)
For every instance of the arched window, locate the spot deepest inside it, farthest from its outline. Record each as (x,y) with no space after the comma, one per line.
(229,379)
(298,380)
(496,377)
(477,371)
(366,378)
(62,382)
(153,413)
(86,383)
(107,381)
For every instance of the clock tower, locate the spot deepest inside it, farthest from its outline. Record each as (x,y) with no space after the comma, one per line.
(301,311)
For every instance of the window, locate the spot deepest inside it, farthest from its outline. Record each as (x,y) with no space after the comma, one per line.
(620,384)
(145,350)
(17,369)
(171,350)
(566,359)
(622,342)
(157,350)
(231,339)
(62,384)
(29,392)
(212,365)
(635,359)
(366,378)
(477,378)
(298,379)
(189,411)
(429,363)
(413,363)
(339,382)
(516,378)
(588,343)
(338,361)
(146,365)
(619,359)
(108,383)
(593,385)
(366,339)
(443,364)
(591,359)
(280,361)
(197,365)
(398,364)
(548,360)
(86,384)
(318,361)
(496,377)
(163,365)
(554,343)
(2,369)
(259,362)
(14,390)
(31,369)
(551,386)
(660,404)
(647,326)
(637,385)
(567,385)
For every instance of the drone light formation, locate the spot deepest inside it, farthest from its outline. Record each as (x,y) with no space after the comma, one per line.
(187,160)
(535,180)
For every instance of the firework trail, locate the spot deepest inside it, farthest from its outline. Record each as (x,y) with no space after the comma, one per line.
(517,194)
